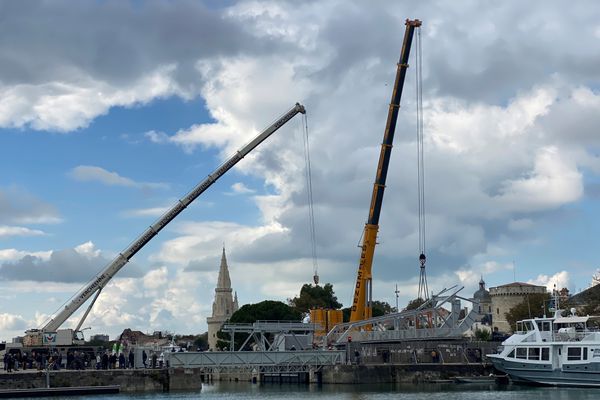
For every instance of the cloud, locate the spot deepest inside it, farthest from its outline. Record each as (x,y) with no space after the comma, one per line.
(147,212)
(157,137)
(73,84)
(471,276)
(20,207)
(241,188)
(554,181)
(12,322)
(156,278)
(14,254)
(19,231)
(69,265)
(508,145)
(87,173)
(561,279)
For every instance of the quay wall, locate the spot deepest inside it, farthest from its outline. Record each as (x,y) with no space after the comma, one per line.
(130,380)
(409,373)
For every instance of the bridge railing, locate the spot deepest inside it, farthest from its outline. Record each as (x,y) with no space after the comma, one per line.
(255,359)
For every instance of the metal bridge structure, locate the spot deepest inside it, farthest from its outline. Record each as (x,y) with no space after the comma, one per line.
(430,321)
(256,362)
(271,335)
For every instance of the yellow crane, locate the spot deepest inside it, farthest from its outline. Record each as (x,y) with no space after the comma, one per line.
(362,303)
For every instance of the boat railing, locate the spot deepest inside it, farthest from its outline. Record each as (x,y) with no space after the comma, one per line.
(565,335)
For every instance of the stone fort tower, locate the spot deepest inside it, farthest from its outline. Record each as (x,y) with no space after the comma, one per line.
(224,305)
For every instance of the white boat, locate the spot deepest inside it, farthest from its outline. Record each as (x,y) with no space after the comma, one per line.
(557,351)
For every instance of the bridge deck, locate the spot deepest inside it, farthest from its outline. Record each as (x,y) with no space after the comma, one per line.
(259,361)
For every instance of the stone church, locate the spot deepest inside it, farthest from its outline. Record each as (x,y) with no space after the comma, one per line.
(224,306)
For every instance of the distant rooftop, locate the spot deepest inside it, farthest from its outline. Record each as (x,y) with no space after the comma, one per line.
(518,284)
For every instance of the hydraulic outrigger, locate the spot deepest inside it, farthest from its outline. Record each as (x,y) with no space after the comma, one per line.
(48,332)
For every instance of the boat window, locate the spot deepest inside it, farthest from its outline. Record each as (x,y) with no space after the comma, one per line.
(573,353)
(511,354)
(539,325)
(546,325)
(522,352)
(585,353)
(528,326)
(519,327)
(545,353)
(534,353)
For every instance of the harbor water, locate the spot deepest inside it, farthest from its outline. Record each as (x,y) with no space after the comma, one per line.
(226,391)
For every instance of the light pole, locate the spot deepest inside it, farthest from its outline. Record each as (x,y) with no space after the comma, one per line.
(397,293)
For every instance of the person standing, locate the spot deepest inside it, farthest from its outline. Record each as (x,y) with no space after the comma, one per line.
(9,363)
(144,358)
(105,360)
(131,359)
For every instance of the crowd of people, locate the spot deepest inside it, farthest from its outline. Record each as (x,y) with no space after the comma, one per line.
(42,360)
(78,360)
(112,360)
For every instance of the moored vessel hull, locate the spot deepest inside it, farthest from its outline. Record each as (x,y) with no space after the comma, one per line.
(583,375)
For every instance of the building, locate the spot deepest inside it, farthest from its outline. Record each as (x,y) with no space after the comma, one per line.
(508,296)
(224,306)
(484,300)
(99,337)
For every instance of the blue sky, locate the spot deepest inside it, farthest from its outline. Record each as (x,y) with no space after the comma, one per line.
(111,111)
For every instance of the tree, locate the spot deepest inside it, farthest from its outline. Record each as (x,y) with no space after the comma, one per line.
(315,297)
(483,334)
(201,341)
(591,301)
(381,308)
(534,305)
(346,314)
(596,278)
(414,304)
(267,310)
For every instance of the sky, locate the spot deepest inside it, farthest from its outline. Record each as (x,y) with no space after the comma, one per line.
(110,111)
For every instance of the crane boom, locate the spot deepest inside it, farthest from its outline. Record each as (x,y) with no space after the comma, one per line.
(114,266)
(362,301)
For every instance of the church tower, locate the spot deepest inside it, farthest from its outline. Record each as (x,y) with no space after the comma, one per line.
(223,306)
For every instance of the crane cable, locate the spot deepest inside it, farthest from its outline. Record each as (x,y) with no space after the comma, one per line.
(309,193)
(423,289)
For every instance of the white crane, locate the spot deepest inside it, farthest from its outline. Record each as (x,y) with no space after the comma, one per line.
(36,336)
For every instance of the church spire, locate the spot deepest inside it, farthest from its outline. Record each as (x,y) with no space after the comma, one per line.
(224,282)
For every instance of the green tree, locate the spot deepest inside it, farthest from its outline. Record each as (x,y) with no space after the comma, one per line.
(201,341)
(483,335)
(534,305)
(267,310)
(346,314)
(381,308)
(414,304)
(315,297)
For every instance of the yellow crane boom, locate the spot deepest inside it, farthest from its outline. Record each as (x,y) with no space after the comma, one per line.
(362,302)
